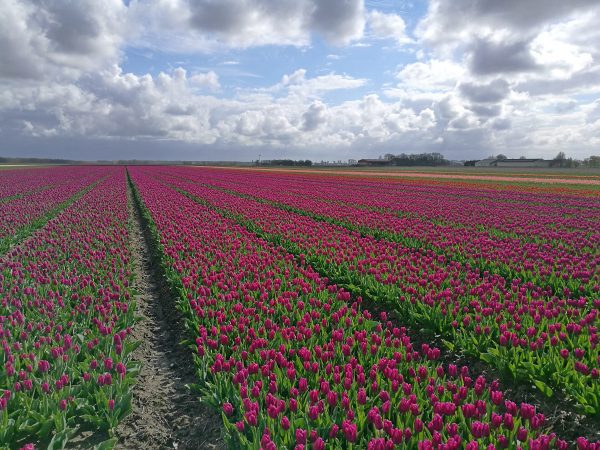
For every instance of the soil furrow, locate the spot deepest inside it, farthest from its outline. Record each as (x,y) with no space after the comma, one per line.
(165,413)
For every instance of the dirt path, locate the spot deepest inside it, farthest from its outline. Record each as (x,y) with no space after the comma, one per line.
(166,415)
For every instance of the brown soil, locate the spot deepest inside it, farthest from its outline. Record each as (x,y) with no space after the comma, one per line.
(165,413)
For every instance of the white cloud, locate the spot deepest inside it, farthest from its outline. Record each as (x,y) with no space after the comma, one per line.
(297,84)
(433,75)
(388,26)
(49,39)
(453,23)
(520,77)
(168,106)
(209,25)
(560,58)
(492,92)
(314,116)
(525,40)
(208,80)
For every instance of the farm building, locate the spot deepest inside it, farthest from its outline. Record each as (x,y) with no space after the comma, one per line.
(522,162)
(374,162)
(489,162)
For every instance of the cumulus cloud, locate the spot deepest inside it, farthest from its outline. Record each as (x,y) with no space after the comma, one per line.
(388,26)
(522,59)
(115,104)
(501,124)
(340,21)
(519,76)
(492,92)
(314,116)
(208,80)
(448,22)
(485,111)
(208,25)
(298,84)
(494,57)
(529,39)
(47,39)
(593,112)
(432,75)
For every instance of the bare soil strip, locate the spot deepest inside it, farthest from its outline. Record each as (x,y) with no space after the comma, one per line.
(165,413)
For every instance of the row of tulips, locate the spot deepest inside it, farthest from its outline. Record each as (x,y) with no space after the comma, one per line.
(518,327)
(65,314)
(454,203)
(295,362)
(569,262)
(55,190)
(16,183)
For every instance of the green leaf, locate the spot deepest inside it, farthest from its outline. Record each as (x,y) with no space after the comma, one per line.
(370,324)
(60,439)
(449,345)
(46,428)
(106,445)
(131,346)
(488,358)
(494,351)
(544,388)
(512,369)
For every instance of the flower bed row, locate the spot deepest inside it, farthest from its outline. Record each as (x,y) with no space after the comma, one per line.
(292,361)
(459,205)
(453,203)
(65,314)
(521,329)
(15,183)
(568,263)
(23,215)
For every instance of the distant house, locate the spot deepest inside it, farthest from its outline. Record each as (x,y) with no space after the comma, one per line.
(538,162)
(521,162)
(373,162)
(488,162)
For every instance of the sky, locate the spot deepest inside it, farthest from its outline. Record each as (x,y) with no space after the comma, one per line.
(300,79)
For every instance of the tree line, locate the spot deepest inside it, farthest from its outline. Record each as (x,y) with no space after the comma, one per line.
(285,162)
(417,159)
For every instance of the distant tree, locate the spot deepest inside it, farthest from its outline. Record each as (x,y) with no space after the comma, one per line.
(593,161)
(389,156)
(501,156)
(420,159)
(522,157)
(560,160)
(287,162)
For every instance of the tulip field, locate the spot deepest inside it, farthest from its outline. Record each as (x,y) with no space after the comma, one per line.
(66,308)
(320,311)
